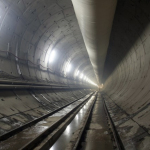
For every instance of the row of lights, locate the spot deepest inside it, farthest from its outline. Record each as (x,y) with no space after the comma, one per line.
(51,57)
(82,76)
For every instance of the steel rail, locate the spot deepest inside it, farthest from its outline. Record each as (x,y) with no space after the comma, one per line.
(116,136)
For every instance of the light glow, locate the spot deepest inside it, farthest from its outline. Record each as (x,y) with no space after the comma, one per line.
(52,56)
(77,117)
(69,67)
(101,86)
(89,81)
(68,128)
(52,148)
(84,78)
(81,76)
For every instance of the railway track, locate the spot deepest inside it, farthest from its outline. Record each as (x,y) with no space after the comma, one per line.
(96,130)
(91,136)
(69,129)
(32,136)
(19,129)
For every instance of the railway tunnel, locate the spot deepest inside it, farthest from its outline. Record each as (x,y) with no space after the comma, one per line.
(74,74)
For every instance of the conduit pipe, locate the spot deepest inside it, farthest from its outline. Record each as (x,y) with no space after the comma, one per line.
(95,19)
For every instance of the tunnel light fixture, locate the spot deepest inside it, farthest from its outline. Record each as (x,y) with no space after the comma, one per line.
(84,78)
(91,82)
(81,76)
(52,56)
(69,67)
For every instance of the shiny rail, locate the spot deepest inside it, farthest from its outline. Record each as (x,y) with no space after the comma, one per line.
(117,140)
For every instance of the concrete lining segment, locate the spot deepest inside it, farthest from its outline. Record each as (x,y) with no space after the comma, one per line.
(32,29)
(95,19)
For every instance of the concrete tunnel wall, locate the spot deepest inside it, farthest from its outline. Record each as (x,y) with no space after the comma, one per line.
(29,31)
(127,73)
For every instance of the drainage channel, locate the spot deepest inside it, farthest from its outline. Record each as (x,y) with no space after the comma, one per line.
(73,127)
(31,136)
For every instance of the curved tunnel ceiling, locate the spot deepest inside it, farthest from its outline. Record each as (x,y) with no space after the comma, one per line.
(32,29)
